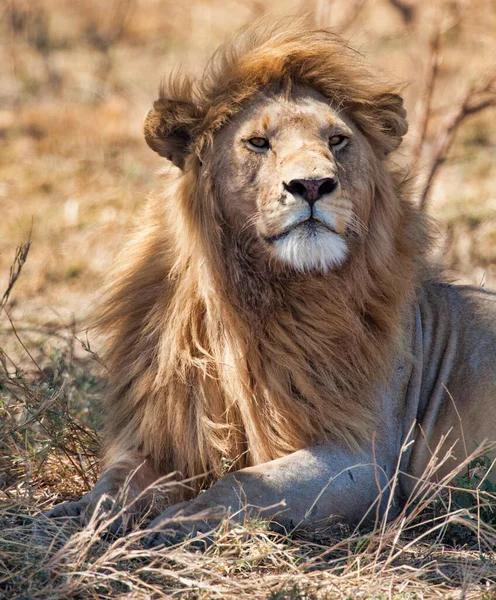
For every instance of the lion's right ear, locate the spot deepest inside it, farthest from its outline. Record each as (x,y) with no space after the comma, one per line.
(392,116)
(168,128)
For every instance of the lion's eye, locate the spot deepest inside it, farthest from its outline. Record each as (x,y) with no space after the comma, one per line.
(336,142)
(259,144)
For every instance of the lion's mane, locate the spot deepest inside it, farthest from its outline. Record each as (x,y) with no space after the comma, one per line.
(212,363)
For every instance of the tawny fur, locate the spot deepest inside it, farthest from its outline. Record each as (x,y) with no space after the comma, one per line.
(213,360)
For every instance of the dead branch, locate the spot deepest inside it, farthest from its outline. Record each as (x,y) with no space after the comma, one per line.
(475,100)
(426,97)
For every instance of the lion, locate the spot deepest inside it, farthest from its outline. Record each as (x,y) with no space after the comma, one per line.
(278,336)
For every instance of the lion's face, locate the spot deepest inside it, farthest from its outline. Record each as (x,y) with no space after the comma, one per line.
(274,169)
(295,174)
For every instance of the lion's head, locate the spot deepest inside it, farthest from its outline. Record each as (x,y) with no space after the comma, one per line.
(291,133)
(262,302)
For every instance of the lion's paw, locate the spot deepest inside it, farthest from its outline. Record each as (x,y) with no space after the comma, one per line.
(183,523)
(106,513)
(73,510)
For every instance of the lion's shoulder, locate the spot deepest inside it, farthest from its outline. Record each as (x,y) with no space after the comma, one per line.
(464,302)
(458,329)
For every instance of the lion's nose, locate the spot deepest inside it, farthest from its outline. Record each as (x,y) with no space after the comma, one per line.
(311,189)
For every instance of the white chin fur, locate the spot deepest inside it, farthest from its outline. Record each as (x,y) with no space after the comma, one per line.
(306,251)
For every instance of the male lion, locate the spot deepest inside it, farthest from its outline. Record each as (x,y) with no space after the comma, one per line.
(275,310)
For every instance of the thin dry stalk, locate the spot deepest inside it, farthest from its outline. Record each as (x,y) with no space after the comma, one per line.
(424,111)
(20,258)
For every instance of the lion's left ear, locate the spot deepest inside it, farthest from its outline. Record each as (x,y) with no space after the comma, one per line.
(169,127)
(392,117)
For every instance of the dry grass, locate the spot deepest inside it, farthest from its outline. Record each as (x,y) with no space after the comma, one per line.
(75,82)
(440,546)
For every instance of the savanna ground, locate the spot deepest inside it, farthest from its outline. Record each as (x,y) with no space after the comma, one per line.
(76,78)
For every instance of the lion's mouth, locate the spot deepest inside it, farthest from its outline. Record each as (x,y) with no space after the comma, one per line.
(312,226)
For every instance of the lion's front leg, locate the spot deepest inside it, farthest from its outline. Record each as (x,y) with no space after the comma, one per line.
(308,488)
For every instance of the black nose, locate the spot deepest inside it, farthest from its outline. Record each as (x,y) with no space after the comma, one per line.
(312,189)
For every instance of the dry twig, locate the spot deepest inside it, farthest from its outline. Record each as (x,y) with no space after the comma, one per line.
(424,111)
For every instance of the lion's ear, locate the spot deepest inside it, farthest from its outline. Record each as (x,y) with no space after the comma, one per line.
(169,128)
(392,116)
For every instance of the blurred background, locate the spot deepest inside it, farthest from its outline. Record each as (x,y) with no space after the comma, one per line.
(77,77)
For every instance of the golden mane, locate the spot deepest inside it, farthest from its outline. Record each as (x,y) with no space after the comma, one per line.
(212,363)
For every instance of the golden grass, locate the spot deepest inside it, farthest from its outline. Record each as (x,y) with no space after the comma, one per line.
(440,546)
(75,82)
